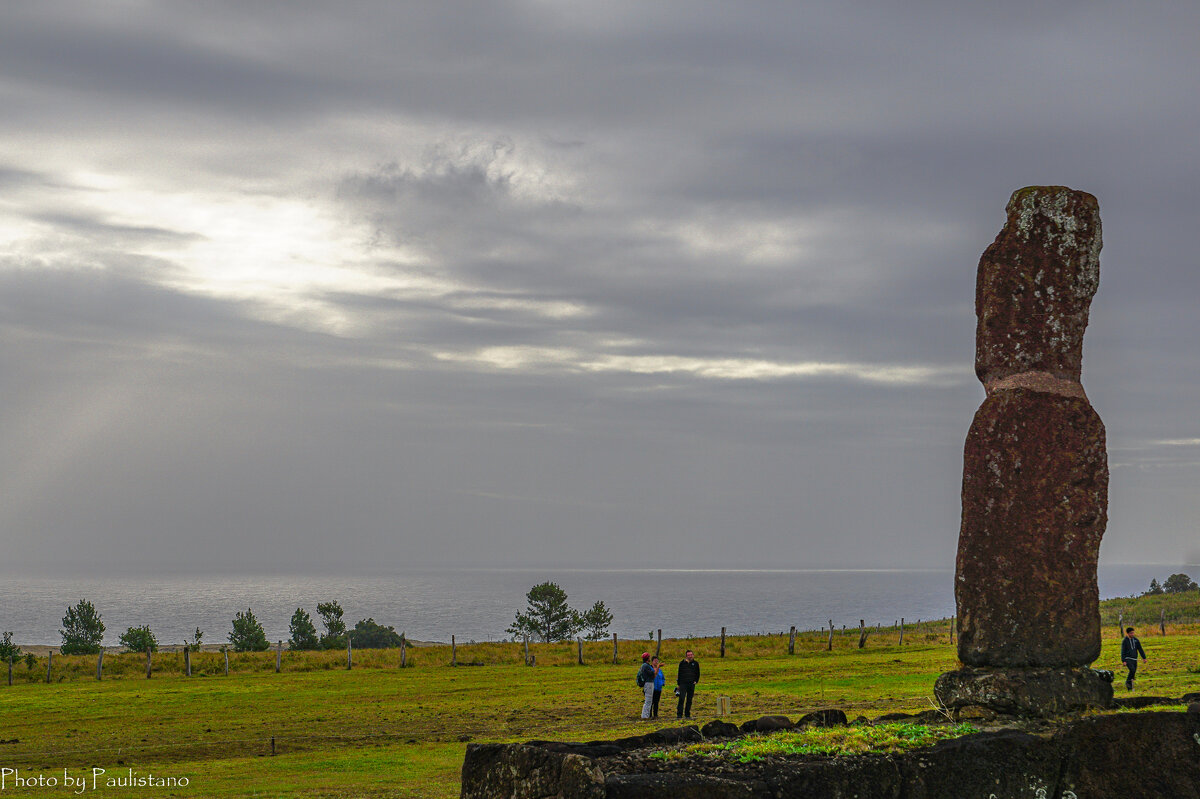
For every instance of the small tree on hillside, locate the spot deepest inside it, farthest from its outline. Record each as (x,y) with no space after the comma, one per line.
(139,639)
(368,634)
(1155,588)
(304,633)
(595,621)
(248,635)
(335,628)
(193,644)
(1179,584)
(8,649)
(547,615)
(82,630)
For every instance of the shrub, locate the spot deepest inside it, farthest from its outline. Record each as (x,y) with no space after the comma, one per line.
(82,630)
(248,634)
(370,635)
(139,639)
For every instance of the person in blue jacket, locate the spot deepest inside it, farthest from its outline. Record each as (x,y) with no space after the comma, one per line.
(660,681)
(1131,647)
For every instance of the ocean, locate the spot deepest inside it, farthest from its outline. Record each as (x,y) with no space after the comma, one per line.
(479,604)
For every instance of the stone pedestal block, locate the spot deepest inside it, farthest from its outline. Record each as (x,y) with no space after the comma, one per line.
(1026,692)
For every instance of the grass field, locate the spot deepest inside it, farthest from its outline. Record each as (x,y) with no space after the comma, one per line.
(379,730)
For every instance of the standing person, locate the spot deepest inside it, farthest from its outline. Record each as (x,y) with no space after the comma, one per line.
(645,681)
(686,679)
(1131,647)
(660,682)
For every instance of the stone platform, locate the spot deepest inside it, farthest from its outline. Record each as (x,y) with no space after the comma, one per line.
(1143,755)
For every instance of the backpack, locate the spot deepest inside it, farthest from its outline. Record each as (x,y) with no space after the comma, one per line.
(641,680)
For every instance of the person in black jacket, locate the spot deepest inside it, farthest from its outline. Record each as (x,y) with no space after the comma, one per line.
(1131,647)
(688,676)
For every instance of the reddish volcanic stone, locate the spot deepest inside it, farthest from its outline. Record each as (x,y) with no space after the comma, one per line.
(1035,285)
(1035,469)
(1034,507)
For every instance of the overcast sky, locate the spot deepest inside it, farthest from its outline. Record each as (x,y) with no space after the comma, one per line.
(339,286)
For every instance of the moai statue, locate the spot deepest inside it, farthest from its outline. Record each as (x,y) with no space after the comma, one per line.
(1035,471)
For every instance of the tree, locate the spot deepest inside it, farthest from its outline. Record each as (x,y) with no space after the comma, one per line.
(595,621)
(139,639)
(193,645)
(368,634)
(1179,583)
(335,628)
(547,614)
(1155,589)
(82,630)
(8,649)
(304,633)
(248,634)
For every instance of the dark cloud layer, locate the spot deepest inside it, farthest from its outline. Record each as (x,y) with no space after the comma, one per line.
(290,286)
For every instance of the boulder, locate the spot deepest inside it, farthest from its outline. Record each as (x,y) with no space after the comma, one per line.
(828,717)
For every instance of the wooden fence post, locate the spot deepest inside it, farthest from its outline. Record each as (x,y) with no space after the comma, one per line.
(187,661)
(148,664)
(278,656)
(792,641)
(453,651)
(527,649)
(952,629)
(829,646)
(49,661)
(901,631)
(403,651)
(658,648)
(99,665)
(722,642)
(226,662)
(1162,620)
(862,633)
(580,651)
(614,649)
(349,653)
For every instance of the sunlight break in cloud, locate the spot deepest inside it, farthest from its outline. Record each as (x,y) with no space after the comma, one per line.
(564,358)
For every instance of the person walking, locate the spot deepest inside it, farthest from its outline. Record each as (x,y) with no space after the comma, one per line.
(686,679)
(1131,647)
(645,681)
(660,682)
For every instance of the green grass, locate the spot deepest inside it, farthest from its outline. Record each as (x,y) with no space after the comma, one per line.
(853,740)
(384,731)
